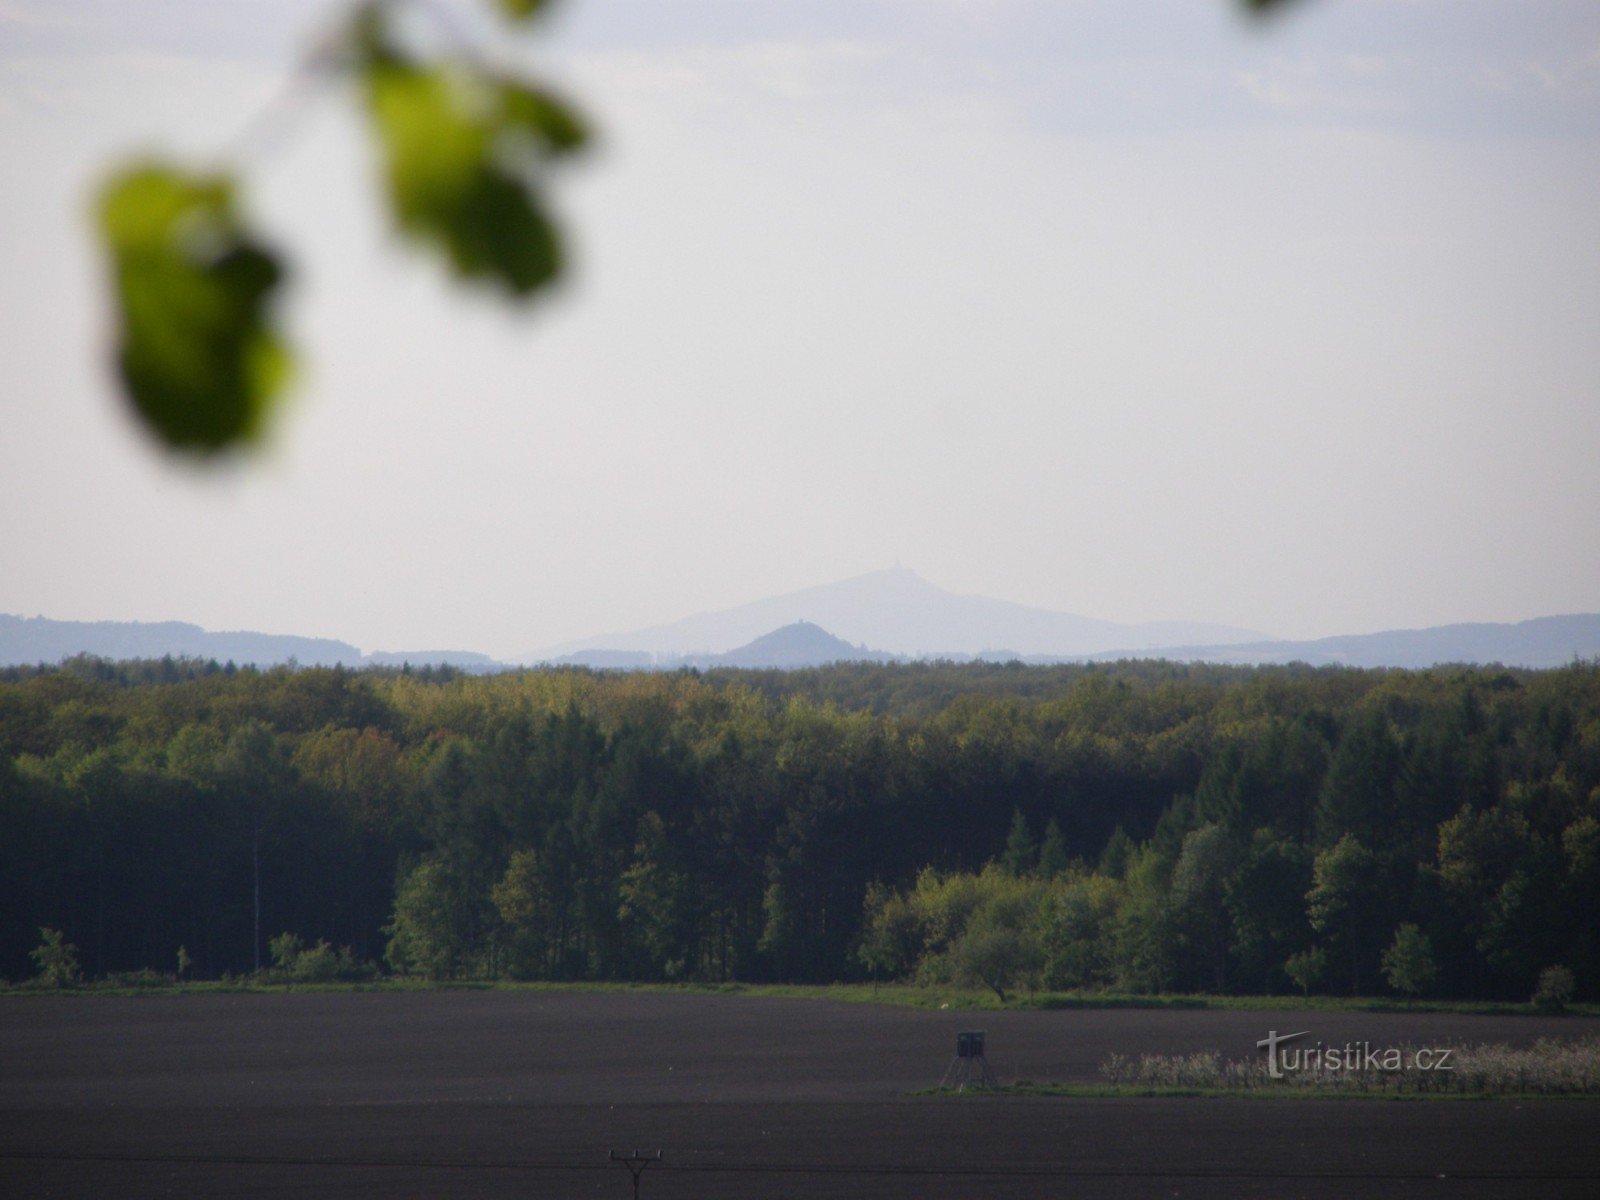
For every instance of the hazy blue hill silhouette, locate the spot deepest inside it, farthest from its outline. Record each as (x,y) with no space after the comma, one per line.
(899,612)
(39,639)
(30,640)
(801,644)
(797,644)
(1541,642)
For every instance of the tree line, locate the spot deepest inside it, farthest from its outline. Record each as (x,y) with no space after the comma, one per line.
(1142,826)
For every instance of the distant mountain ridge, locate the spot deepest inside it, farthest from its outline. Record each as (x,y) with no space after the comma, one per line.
(900,613)
(30,640)
(1540,643)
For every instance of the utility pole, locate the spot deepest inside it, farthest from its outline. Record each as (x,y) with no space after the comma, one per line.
(255,872)
(636,1161)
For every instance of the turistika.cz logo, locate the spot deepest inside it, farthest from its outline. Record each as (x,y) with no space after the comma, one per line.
(1350,1056)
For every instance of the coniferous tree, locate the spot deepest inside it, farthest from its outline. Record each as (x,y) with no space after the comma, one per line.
(1053,857)
(1021,852)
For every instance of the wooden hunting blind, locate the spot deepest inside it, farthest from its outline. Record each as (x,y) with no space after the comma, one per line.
(969,1066)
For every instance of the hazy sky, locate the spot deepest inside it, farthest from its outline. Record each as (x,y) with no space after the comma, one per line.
(1131,309)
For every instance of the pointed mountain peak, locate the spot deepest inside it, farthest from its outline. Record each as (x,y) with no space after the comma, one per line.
(898,571)
(888,580)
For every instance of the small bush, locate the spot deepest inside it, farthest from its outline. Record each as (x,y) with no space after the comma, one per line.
(324,963)
(294,962)
(1556,986)
(1307,968)
(1408,963)
(56,960)
(285,949)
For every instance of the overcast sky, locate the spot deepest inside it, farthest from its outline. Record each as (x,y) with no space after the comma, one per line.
(1128,308)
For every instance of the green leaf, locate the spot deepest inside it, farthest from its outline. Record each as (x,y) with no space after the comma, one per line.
(555,127)
(521,10)
(196,350)
(462,155)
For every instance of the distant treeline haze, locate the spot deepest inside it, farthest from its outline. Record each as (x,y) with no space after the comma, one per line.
(1141,826)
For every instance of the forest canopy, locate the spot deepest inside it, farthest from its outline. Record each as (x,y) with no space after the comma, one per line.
(1141,826)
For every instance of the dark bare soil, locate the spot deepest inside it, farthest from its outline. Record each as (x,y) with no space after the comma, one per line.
(502,1094)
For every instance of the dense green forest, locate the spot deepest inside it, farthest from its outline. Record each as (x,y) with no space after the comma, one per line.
(1139,826)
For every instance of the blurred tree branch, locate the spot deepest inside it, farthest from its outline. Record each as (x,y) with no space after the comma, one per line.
(466,152)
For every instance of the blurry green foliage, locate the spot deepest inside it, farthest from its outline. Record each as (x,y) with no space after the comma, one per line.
(464,148)
(196,348)
(463,151)
(521,10)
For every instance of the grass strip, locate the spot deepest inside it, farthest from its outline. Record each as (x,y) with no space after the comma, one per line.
(892,995)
